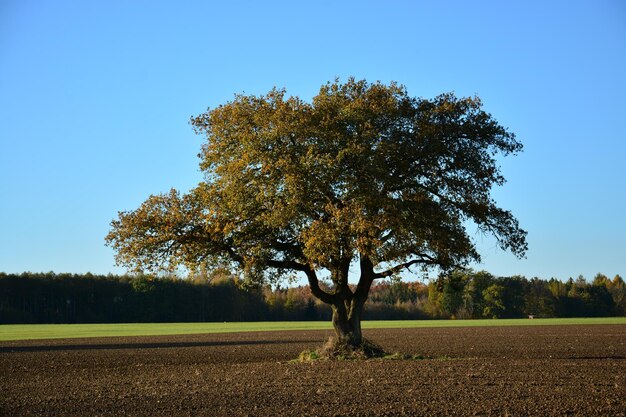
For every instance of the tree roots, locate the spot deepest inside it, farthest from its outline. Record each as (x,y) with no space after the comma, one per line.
(342,349)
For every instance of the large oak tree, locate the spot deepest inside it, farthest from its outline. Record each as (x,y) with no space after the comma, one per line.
(364,176)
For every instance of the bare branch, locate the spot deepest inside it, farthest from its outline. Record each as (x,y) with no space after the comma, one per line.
(315,288)
(423,260)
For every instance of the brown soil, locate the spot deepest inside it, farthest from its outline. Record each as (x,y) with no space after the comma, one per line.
(544,370)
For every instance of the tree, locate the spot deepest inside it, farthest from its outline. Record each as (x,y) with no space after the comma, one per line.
(513,297)
(617,288)
(473,303)
(363,174)
(447,293)
(538,299)
(493,298)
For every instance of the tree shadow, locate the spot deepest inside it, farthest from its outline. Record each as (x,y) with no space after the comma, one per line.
(601,357)
(145,345)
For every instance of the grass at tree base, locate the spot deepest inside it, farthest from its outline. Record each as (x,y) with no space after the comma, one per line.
(342,349)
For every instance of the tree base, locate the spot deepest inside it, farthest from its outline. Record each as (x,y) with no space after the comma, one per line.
(342,349)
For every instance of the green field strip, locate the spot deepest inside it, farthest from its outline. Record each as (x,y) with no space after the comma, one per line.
(9,332)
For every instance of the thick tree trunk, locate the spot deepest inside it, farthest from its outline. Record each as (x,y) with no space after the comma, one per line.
(347,327)
(358,299)
(347,306)
(356,313)
(347,316)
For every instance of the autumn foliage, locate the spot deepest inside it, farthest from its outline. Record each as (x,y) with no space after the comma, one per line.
(363,177)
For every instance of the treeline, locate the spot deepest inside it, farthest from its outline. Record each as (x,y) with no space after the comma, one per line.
(70,298)
(481,295)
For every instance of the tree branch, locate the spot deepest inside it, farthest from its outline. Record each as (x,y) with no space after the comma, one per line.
(296,266)
(286,264)
(424,260)
(365,280)
(315,287)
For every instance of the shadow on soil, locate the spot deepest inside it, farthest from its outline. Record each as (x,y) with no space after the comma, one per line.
(585,358)
(146,345)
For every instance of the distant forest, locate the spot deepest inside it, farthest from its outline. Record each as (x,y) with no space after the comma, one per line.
(70,298)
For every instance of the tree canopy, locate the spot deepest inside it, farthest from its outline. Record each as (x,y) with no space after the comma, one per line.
(364,173)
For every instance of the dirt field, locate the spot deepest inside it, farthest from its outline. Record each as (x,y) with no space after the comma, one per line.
(543,370)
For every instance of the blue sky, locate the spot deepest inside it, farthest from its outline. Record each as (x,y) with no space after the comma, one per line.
(95,99)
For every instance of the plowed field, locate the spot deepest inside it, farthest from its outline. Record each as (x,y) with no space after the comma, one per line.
(539,370)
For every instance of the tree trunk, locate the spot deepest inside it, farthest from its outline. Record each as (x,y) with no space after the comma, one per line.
(356,313)
(347,327)
(347,306)
(347,319)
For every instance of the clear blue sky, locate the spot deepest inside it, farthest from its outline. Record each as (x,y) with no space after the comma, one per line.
(95,98)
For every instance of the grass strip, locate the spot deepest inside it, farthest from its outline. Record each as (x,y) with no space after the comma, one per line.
(9,332)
